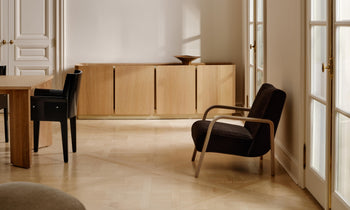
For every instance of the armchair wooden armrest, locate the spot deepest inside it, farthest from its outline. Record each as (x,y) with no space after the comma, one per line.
(223,107)
(250,119)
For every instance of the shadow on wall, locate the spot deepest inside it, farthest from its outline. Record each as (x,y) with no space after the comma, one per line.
(153,31)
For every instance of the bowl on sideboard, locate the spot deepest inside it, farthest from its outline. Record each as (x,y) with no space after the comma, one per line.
(186,59)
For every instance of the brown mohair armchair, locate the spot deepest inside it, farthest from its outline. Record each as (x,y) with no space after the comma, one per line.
(254,139)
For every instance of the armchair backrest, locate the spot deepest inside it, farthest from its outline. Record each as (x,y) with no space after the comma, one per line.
(71,91)
(268,104)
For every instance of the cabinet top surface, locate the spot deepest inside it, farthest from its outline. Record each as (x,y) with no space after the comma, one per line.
(22,82)
(152,64)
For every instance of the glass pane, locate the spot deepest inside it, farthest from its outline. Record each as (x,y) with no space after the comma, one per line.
(260,46)
(318,138)
(319,10)
(342,157)
(251,41)
(343,68)
(259,79)
(260,10)
(318,56)
(251,86)
(342,10)
(251,10)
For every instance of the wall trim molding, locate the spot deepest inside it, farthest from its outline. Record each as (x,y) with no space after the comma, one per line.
(60,42)
(288,162)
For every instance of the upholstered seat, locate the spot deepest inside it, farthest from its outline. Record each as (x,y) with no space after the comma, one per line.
(4,105)
(229,139)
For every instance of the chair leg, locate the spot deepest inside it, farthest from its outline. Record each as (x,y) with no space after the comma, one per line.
(64,140)
(6,125)
(73,129)
(36,135)
(199,164)
(194,154)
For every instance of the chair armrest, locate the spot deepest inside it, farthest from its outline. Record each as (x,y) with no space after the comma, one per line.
(49,99)
(48,92)
(223,107)
(250,119)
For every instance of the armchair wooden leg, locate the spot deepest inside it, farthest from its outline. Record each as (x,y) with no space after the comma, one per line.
(272,161)
(200,164)
(73,127)
(64,140)
(36,135)
(6,125)
(194,154)
(272,143)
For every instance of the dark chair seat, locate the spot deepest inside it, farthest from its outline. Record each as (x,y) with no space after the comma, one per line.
(224,138)
(57,105)
(4,105)
(254,139)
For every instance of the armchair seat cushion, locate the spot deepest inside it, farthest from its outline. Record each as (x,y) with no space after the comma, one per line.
(225,138)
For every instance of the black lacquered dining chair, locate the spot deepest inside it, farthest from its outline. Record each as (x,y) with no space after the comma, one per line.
(4,105)
(57,105)
(254,139)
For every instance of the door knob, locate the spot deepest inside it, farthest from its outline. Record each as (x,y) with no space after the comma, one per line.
(11,42)
(3,42)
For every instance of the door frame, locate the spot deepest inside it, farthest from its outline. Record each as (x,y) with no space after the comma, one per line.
(247,47)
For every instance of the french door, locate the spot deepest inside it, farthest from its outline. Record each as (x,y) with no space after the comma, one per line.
(327,174)
(256,42)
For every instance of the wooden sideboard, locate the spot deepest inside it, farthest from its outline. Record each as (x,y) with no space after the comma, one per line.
(154,90)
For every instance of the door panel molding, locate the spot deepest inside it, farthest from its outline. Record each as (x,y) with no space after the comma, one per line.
(32,52)
(28,25)
(32,70)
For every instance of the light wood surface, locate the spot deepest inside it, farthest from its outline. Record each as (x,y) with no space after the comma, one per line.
(96,90)
(22,82)
(20,88)
(175,90)
(216,84)
(134,90)
(109,172)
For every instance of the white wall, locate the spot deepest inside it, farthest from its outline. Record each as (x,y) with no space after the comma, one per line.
(152,31)
(286,70)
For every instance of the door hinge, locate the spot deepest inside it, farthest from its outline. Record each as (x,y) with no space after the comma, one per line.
(304,156)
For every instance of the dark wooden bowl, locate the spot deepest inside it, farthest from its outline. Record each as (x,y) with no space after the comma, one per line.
(186,59)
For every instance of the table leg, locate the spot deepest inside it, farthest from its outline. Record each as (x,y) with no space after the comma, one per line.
(21,134)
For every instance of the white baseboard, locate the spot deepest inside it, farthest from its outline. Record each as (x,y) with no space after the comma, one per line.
(288,162)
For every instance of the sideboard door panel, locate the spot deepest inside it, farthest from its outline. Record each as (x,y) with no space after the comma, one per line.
(96,90)
(176,89)
(215,85)
(134,90)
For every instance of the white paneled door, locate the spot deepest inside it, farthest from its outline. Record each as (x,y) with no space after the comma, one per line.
(28,36)
(327,174)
